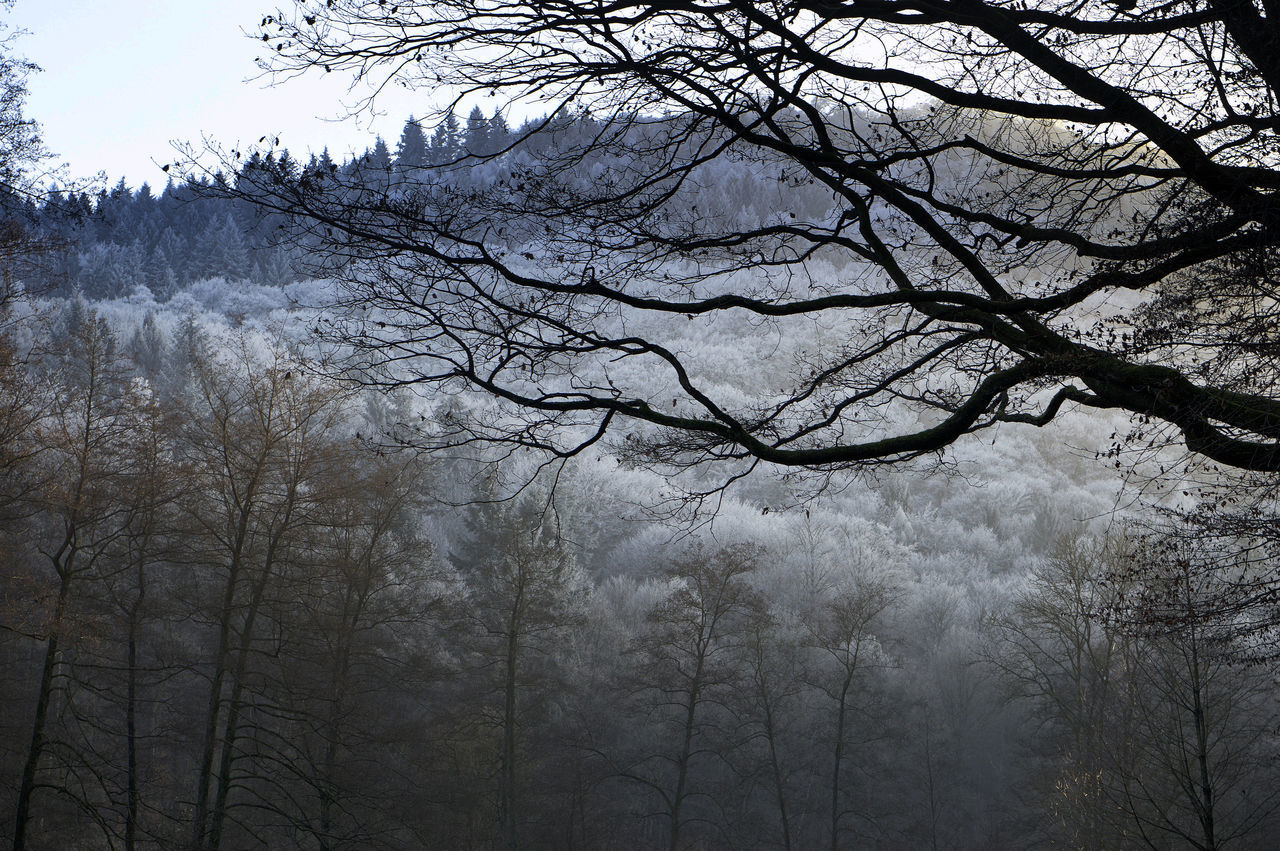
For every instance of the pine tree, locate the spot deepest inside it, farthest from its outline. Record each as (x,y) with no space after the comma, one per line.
(379,158)
(476,141)
(285,165)
(149,347)
(412,151)
(445,141)
(225,250)
(499,134)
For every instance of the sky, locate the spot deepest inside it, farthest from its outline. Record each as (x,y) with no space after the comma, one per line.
(123,80)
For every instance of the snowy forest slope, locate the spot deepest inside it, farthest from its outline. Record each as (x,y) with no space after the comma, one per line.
(459,649)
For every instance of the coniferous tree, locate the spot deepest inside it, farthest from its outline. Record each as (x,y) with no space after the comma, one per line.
(446,141)
(225,251)
(379,156)
(412,151)
(498,133)
(476,139)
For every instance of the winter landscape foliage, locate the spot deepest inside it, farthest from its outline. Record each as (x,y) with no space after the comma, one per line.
(259,587)
(240,612)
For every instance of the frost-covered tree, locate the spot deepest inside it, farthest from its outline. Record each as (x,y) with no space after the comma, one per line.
(992,173)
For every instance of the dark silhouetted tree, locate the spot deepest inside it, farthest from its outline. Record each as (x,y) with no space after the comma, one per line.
(1050,159)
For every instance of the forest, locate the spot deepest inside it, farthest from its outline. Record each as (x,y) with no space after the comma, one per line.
(702,461)
(241,609)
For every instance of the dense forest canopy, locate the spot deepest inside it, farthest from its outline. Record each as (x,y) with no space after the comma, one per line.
(995,172)
(274,574)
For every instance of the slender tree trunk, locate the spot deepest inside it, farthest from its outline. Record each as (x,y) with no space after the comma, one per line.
(36,749)
(230,733)
(928,765)
(339,685)
(1206,803)
(131,718)
(686,748)
(328,766)
(837,762)
(779,788)
(214,710)
(775,764)
(328,790)
(507,792)
(231,727)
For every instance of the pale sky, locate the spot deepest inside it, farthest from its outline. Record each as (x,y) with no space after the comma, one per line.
(123,79)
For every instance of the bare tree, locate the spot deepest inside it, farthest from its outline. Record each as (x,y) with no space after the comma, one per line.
(1159,734)
(689,664)
(258,438)
(1057,650)
(1201,718)
(525,595)
(983,178)
(773,652)
(152,485)
(844,636)
(92,440)
(354,598)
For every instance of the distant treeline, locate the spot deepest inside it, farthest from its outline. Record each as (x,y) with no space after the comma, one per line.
(109,243)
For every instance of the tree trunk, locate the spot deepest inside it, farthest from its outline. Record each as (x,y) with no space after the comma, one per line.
(837,761)
(231,727)
(131,718)
(771,738)
(1205,805)
(507,793)
(36,749)
(214,710)
(686,747)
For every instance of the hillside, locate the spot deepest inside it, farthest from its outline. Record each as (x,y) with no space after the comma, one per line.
(241,599)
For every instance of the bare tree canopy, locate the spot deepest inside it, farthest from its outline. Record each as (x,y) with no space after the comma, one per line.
(992,212)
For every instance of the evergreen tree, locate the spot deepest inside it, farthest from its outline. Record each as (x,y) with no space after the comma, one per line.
(149,347)
(412,151)
(379,158)
(499,134)
(277,267)
(445,141)
(225,251)
(171,250)
(160,275)
(476,140)
(285,165)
